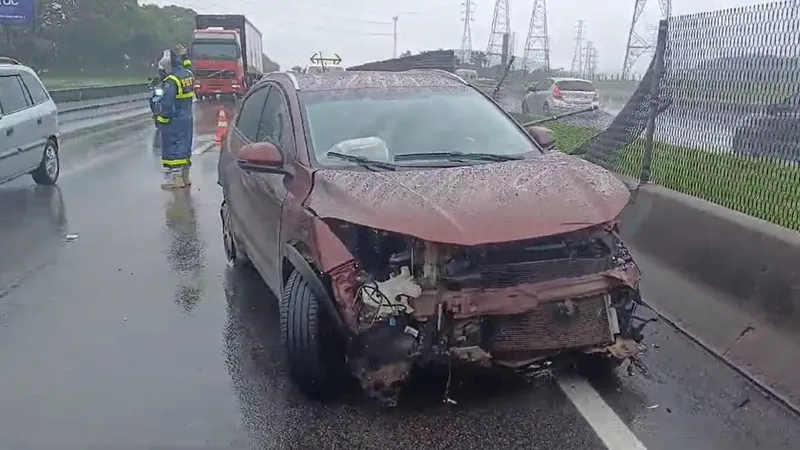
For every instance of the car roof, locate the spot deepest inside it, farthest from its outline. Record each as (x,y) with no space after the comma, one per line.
(10,65)
(376,79)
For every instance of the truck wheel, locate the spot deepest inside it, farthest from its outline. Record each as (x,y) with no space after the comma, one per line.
(50,168)
(314,351)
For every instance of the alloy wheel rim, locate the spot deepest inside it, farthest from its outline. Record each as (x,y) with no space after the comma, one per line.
(51,162)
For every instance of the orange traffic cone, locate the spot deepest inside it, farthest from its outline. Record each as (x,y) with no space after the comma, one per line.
(222,125)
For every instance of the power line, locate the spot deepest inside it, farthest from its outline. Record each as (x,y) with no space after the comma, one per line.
(537,44)
(577,56)
(501,27)
(466,36)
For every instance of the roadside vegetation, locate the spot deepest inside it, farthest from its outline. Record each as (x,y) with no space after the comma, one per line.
(76,43)
(760,187)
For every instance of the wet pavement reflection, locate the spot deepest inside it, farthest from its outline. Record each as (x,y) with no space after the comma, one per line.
(33,220)
(186,252)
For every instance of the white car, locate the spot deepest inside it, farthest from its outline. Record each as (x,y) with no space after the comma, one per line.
(319,68)
(28,126)
(554,96)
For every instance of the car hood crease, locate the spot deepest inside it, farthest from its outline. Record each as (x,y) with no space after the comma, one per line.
(477,204)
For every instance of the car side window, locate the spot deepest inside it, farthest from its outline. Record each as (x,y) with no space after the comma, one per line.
(38,92)
(275,122)
(250,113)
(13,97)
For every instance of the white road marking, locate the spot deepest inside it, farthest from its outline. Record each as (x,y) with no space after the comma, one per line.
(204,148)
(608,426)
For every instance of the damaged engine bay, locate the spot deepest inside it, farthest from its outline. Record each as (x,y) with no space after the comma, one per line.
(523,306)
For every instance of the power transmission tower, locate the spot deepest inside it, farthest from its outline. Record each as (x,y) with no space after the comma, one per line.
(466,36)
(537,44)
(638,45)
(590,61)
(501,25)
(577,56)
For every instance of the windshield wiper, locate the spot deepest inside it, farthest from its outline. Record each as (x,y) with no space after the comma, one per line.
(366,163)
(457,156)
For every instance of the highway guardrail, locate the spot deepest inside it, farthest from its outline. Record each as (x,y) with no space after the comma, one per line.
(96,92)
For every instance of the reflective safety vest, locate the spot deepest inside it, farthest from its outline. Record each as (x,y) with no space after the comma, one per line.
(185,86)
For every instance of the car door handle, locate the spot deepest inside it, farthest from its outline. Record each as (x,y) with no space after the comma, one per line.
(39,121)
(9,132)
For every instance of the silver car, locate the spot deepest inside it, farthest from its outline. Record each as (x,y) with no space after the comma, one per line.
(28,126)
(554,96)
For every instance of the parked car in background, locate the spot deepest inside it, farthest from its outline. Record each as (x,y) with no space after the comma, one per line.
(553,96)
(773,132)
(468,75)
(404,220)
(28,125)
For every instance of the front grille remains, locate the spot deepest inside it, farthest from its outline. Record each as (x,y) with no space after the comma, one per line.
(533,261)
(559,325)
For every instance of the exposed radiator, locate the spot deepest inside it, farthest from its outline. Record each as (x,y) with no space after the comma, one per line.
(555,325)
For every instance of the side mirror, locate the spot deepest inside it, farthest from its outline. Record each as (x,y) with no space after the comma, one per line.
(261,157)
(543,136)
(531,89)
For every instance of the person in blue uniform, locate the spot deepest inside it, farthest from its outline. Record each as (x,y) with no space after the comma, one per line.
(172,107)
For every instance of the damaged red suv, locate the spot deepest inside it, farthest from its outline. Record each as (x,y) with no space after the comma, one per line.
(404,219)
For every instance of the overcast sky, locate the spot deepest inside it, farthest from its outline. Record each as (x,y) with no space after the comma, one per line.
(361,30)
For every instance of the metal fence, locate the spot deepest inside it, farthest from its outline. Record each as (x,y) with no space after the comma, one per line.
(716,116)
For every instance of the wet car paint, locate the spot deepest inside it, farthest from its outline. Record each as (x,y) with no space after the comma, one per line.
(99,351)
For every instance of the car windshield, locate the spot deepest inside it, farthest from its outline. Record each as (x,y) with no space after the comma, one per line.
(575,85)
(207,50)
(405,121)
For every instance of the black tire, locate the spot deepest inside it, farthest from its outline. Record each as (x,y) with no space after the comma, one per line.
(314,352)
(546,111)
(234,251)
(50,167)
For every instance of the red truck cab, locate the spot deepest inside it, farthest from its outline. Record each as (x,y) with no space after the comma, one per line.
(217,63)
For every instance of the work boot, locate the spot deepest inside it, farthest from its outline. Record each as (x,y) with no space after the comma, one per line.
(185,175)
(173,180)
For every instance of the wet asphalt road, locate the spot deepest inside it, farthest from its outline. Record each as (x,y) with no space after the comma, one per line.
(121,327)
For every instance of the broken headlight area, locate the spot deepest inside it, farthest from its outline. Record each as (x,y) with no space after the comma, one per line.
(520,305)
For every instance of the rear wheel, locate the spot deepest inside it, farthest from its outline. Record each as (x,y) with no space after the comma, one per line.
(50,168)
(546,109)
(313,349)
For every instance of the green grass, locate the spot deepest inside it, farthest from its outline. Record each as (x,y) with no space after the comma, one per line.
(769,190)
(56,82)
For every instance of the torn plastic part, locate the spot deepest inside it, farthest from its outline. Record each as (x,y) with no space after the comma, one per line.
(372,147)
(391,295)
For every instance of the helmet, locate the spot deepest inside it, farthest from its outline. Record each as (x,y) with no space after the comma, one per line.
(165,62)
(169,59)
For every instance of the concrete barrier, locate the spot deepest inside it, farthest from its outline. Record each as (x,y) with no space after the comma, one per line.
(749,270)
(97,92)
(753,262)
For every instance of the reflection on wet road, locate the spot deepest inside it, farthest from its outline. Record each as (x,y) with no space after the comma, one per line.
(134,333)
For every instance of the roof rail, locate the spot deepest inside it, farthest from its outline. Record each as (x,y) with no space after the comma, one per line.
(8,60)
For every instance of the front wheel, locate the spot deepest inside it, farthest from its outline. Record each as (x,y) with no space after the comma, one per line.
(50,167)
(313,349)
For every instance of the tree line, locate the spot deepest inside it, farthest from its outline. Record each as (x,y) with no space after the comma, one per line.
(99,36)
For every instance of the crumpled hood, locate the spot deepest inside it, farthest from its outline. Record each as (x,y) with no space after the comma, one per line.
(470,205)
